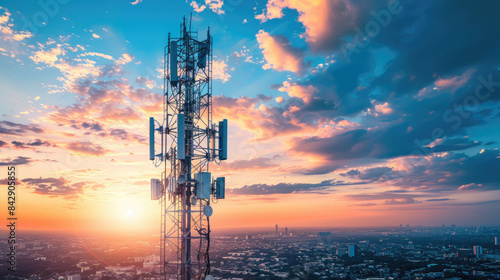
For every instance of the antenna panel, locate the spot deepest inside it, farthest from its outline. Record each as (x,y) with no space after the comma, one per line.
(151,138)
(155,189)
(223,140)
(220,188)
(203,185)
(181,147)
(173,63)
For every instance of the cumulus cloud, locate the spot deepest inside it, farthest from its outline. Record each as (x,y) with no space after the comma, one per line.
(31,145)
(59,187)
(145,81)
(306,93)
(126,58)
(219,71)
(283,188)
(400,201)
(86,148)
(251,113)
(442,172)
(17,161)
(71,69)
(254,163)
(280,55)
(197,8)
(6,31)
(214,5)
(325,21)
(11,128)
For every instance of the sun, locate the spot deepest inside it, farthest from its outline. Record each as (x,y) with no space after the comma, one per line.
(130,213)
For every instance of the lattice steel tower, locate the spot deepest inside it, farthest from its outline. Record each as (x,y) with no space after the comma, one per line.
(189,142)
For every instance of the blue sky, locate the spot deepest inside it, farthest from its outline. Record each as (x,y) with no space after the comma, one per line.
(378,105)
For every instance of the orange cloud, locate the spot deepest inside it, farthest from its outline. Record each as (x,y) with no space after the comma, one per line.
(219,71)
(325,21)
(303,92)
(265,122)
(456,82)
(7,32)
(279,54)
(86,148)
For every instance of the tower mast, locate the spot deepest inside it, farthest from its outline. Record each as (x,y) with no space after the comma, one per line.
(189,142)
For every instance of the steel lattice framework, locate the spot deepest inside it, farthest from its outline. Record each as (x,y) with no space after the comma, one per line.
(185,227)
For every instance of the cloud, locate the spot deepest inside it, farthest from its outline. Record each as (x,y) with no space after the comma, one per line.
(436,173)
(456,82)
(219,71)
(370,174)
(401,201)
(390,198)
(126,58)
(92,126)
(197,8)
(251,113)
(105,56)
(136,2)
(86,148)
(282,188)
(215,6)
(6,31)
(50,56)
(31,145)
(306,93)
(255,163)
(145,81)
(325,21)
(439,199)
(59,187)
(2,143)
(464,50)
(72,69)
(11,128)
(17,161)
(471,186)
(280,55)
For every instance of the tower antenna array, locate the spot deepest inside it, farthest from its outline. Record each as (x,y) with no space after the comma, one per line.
(189,142)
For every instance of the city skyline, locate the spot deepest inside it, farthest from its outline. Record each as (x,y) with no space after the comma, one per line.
(342,113)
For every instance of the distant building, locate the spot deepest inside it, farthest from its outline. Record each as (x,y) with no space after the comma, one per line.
(478,251)
(464,253)
(249,236)
(351,250)
(276,229)
(341,252)
(496,240)
(286,231)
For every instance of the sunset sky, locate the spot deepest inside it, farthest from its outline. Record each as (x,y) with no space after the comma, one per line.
(341,112)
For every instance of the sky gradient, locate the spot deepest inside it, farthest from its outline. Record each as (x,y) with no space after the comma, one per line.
(341,112)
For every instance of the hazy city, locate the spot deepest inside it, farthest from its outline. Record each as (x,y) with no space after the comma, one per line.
(249,140)
(402,252)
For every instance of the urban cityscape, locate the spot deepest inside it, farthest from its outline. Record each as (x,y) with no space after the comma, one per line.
(400,252)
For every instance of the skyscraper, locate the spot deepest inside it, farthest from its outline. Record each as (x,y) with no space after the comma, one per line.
(276,229)
(478,251)
(496,240)
(286,231)
(351,250)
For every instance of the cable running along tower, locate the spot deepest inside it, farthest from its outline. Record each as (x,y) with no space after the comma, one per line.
(189,142)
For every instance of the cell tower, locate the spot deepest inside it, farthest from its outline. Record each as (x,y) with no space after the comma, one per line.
(189,142)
